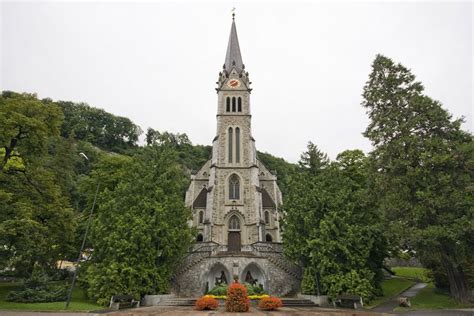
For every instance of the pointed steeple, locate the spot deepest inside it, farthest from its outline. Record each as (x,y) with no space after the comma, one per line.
(233,58)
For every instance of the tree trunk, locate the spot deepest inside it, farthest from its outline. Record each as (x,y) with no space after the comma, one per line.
(458,285)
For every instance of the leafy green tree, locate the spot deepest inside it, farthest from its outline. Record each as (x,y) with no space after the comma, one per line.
(25,125)
(100,128)
(331,227)
(36,221)
(140,230)
(424,171)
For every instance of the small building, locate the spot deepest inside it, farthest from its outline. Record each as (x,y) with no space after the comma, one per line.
(235,201)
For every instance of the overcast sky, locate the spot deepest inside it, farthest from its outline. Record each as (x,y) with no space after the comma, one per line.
(157,63)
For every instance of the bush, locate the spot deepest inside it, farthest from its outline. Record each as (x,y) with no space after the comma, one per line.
(237,299)
(37,289)
(254,289)
(219,290)
(270,303)
(206,303)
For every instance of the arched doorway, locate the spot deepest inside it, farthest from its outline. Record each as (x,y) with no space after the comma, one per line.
(254,275)
(217,274)
(233,241)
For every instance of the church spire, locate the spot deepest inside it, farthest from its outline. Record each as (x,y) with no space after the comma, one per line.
(233,58)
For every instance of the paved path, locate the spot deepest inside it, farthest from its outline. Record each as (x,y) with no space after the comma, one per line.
(22,313)
(458,312)
(389,305)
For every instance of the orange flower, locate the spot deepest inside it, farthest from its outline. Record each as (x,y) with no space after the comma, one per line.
(237,298)
(270,303)
(206,303)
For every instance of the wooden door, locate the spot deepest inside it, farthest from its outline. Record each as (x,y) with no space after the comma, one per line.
(234,241)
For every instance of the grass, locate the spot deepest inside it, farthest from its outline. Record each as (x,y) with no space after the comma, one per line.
(430,298)
(78,303)
(391,287)
(412,272)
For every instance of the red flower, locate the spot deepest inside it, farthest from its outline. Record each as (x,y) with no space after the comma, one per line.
(237,298)
(206,303)
(270,303)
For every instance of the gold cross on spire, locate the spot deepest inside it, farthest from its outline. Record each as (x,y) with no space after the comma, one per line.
(233,13)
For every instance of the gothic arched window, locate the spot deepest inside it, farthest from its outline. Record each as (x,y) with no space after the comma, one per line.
(233,104)
(234,223)
(268,238)
(237,145)
(201,217)
(267,217)
(239,104)
(229,138)
(199,238)
(227,104)
(234,187)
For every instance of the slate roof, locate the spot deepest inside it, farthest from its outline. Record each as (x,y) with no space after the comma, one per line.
(233,56)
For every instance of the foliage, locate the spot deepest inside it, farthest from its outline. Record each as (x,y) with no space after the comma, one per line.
(103,129)
(332,228)
(189,155)
(140,229)
(270,303)
(281,168)
(219,290)
(37,288)
(206,303)
(422,166)
(254,289)
(78,303)
(36,222)
(237,299)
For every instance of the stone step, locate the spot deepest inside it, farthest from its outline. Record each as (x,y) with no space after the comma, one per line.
(297,302)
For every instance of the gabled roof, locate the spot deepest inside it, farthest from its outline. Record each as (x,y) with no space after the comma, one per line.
(233,58)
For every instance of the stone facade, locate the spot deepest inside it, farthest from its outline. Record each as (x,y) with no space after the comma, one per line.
(235,200)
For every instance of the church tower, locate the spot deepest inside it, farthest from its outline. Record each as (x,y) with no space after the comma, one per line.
(241,195)
(235,200)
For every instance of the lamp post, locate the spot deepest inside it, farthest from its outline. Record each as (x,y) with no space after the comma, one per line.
(83,240)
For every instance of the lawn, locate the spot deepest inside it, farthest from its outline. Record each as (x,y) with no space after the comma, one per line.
(78,303)
(412,272)
(430,298)
(391,288)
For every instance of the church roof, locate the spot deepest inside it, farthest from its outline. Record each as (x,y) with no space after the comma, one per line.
(233,56)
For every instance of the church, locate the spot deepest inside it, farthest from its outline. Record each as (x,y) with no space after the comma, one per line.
(235,201)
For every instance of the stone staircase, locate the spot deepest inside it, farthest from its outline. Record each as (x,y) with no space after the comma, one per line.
(297,302)
(177,301)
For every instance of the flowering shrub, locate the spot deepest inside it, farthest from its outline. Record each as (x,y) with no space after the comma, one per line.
(270,303)
(237,299)
(206,303)
(257,297)
(222,297)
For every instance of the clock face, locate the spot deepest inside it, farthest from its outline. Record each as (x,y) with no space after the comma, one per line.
(233,83)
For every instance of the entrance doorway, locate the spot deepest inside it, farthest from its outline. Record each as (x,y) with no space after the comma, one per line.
(233,241)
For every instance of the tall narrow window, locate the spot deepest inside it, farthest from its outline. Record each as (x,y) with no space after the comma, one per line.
(234,187)
(267,217)
(239,104)
(227,104)
(234,223)
(237,145)
(233,104)
(229,139)
(201,217)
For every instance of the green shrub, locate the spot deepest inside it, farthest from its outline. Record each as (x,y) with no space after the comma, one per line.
(37,289)
(254,289)
(219,290)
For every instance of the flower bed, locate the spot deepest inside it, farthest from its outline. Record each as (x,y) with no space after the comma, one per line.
(270,303)
(206,303)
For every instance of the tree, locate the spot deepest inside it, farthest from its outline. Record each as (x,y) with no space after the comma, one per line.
(25,125)
(424,170)
(140,230)
(331,228)
(36,221)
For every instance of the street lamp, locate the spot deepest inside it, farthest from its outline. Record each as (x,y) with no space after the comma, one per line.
(83,240)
